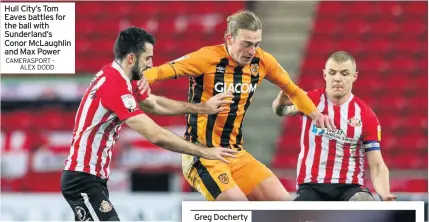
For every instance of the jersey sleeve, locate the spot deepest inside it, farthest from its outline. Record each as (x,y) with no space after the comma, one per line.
(371,131)
(116,97)
(192,64)
(136,92)
(278,76)
(275,72)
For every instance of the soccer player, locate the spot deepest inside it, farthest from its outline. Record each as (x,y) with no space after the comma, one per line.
(331,162)
(238,66)
(110,101)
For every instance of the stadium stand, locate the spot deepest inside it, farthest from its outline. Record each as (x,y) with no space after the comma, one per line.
(392,79)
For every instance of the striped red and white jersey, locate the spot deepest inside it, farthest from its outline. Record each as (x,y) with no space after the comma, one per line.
(337,156)
(106,104)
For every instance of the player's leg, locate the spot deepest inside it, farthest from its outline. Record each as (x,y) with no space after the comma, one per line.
(357,192)
(105,207)
(257,181)
(212,178)
(270,189)
(306,192)
(232,194)
(87,197)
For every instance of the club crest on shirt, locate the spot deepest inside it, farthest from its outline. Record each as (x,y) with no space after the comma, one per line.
(223,178)
(355,122)
(254,69)
(105,206)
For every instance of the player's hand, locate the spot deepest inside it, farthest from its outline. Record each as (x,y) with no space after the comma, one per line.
(217,103)
(141,89)
(218,153)
(143,86)
(388,197)
(322,121)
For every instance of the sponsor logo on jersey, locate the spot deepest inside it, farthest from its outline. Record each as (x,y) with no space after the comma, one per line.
(336,134)
(355,122)
(237,88)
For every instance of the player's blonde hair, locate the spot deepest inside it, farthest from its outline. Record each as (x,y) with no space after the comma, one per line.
(243,19)
(343,56)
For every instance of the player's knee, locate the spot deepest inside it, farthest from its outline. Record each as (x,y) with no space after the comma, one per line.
(270,190)
(231,197)
(233,194)
(361,196)
(278,195)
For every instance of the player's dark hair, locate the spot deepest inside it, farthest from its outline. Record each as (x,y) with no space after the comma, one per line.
(132,40)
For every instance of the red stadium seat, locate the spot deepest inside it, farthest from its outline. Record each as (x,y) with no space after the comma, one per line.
(327,27)
(147,8)
(417,185)
(422,65)
(330,8)
(205,7)
(21,120)
(51,119)
(230,7)
(88,9)
(354,27)
(383,28)
(409,46)
(362,9)
(416,8)
(353,47)
(388,8)
(413,29)
(379,46)
(117,9)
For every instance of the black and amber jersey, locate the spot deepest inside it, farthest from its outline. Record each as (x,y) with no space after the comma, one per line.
(211,70)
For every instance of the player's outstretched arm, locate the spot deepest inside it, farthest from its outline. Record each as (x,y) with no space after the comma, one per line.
(159,136)
(282,106)
(304,104)
(163,106)
(379,175)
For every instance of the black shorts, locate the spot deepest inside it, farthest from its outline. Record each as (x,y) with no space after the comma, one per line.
(328,192)
(88,196)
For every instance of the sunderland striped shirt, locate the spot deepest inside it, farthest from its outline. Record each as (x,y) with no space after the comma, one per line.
(105,105)
(337,156)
